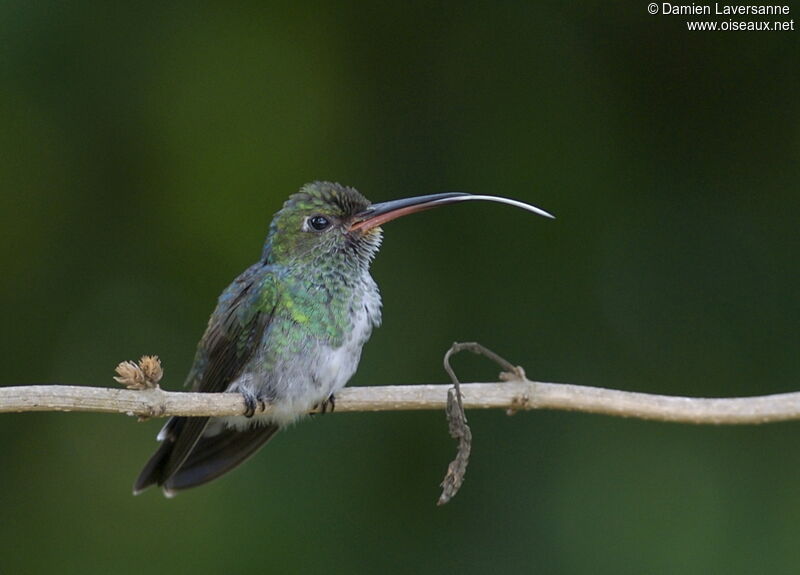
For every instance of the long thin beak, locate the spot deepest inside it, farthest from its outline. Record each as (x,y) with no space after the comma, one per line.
(379,214)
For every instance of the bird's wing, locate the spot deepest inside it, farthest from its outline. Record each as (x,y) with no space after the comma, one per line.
(234,331)
(233,334)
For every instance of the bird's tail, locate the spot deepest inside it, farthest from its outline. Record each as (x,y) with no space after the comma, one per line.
(190,455)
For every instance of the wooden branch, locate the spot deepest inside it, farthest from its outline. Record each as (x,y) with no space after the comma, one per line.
(145,399)
(512,396)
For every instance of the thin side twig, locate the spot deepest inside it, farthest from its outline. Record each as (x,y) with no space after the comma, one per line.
(459,430)
(457,418)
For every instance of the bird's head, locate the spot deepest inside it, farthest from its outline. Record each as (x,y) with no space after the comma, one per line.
(325,220)
(315,223)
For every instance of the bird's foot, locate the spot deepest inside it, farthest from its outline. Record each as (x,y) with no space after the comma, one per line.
(329,403)
(250,404)
(325,406)
(253,404)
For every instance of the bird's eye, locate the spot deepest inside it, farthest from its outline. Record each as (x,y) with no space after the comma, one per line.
(319,223)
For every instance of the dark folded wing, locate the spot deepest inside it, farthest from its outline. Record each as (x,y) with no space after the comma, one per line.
(233,334)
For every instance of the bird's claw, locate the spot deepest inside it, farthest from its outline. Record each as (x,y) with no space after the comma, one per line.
(330,402)
(252,404)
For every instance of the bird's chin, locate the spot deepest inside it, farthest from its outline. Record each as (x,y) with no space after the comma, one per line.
(363,232)
(369,238)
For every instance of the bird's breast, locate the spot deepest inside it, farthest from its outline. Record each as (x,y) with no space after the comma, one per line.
(338,363)
(300,365)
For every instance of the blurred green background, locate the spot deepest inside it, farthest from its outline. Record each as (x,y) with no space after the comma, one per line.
(145,147)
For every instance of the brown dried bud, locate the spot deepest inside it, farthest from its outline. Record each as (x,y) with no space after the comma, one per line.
(144,375)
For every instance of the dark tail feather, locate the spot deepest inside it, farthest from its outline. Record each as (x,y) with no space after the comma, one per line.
(178,438)
(217,454)
(186,458)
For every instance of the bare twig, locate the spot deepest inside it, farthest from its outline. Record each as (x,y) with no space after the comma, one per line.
(518,396)
(478,349)
(513,393)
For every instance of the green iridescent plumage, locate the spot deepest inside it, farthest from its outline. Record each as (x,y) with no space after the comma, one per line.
(288,331)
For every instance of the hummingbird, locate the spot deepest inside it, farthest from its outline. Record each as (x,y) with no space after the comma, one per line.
(288,331)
